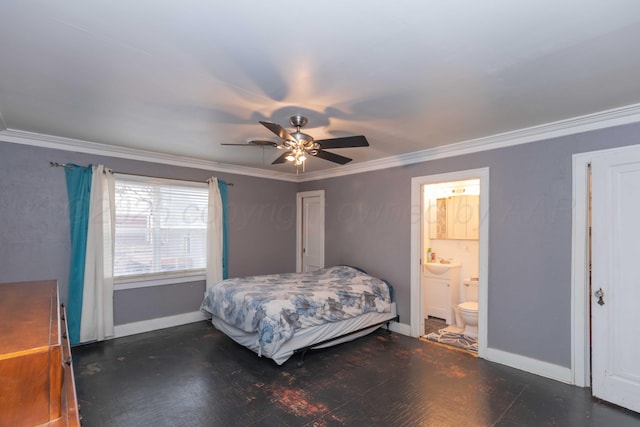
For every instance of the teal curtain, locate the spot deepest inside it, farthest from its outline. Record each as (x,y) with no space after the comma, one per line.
(78,191)
(222,186)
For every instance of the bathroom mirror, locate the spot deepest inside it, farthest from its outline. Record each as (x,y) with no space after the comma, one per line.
(454,217)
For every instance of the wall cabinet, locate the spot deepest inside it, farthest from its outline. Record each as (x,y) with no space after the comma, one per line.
(441,292)
(455,217)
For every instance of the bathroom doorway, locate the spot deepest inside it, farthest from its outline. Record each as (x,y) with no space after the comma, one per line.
(450,258)
(449,251)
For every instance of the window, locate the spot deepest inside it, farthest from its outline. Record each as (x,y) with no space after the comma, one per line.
(160,226)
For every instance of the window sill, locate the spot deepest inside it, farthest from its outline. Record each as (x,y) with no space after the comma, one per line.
(124,283)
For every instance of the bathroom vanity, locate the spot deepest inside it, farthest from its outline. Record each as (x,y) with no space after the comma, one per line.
(440,290)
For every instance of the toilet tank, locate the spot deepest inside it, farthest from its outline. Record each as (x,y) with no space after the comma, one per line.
(470,290)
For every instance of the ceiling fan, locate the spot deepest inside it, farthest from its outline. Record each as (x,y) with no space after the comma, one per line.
(297,145)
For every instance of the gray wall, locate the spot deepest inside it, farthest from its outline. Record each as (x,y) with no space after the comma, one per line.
(368,225)
(34,226)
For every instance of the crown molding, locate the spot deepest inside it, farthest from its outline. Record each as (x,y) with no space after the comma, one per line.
(87,147)
(601,120)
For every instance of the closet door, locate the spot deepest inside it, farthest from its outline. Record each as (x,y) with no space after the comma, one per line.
(615,293)
(310,235)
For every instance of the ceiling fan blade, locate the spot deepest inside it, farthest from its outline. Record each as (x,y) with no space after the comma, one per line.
(254,143)
(281,159)
(278,130)
(262,143)
(344,142)
(336,158)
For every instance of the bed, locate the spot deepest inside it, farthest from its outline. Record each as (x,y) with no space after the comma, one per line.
(281,314)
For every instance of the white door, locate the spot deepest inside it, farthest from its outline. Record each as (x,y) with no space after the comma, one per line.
(310,230)
(615,288)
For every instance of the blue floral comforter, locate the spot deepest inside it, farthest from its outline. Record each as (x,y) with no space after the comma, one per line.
(276,305)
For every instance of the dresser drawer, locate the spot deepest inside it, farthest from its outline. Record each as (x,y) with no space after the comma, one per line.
(69,406)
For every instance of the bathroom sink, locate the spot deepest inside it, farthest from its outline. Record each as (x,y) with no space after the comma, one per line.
(439,268)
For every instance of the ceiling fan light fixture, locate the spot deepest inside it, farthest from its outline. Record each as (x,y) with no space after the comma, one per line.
(298,146)
(302,138)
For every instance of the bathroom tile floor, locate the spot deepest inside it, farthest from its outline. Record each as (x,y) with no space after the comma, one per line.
(193,375)
(433,324)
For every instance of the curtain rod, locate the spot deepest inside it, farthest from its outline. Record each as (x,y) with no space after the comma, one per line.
(70,166)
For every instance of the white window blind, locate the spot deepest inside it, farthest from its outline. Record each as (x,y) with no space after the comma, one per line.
(160,226)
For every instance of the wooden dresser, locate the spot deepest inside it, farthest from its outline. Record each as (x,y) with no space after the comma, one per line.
(36,375)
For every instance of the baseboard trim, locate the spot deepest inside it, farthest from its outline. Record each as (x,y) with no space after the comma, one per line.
(158,323)
(196,316)
(534,366)
(401,328)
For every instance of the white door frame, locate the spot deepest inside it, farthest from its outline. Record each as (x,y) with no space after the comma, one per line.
(416,248)
(580,329)
(580,298)
(299,223)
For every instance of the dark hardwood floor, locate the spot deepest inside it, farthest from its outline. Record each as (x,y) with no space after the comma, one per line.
(192,375)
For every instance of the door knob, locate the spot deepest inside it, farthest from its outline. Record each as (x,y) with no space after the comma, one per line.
(599,294)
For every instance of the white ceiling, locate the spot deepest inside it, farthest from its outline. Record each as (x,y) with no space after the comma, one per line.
(181,77)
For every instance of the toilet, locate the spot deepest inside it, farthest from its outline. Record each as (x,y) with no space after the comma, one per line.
(468,310)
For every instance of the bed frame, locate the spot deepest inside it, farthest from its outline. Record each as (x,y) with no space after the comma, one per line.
(328,342)
(249,340)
